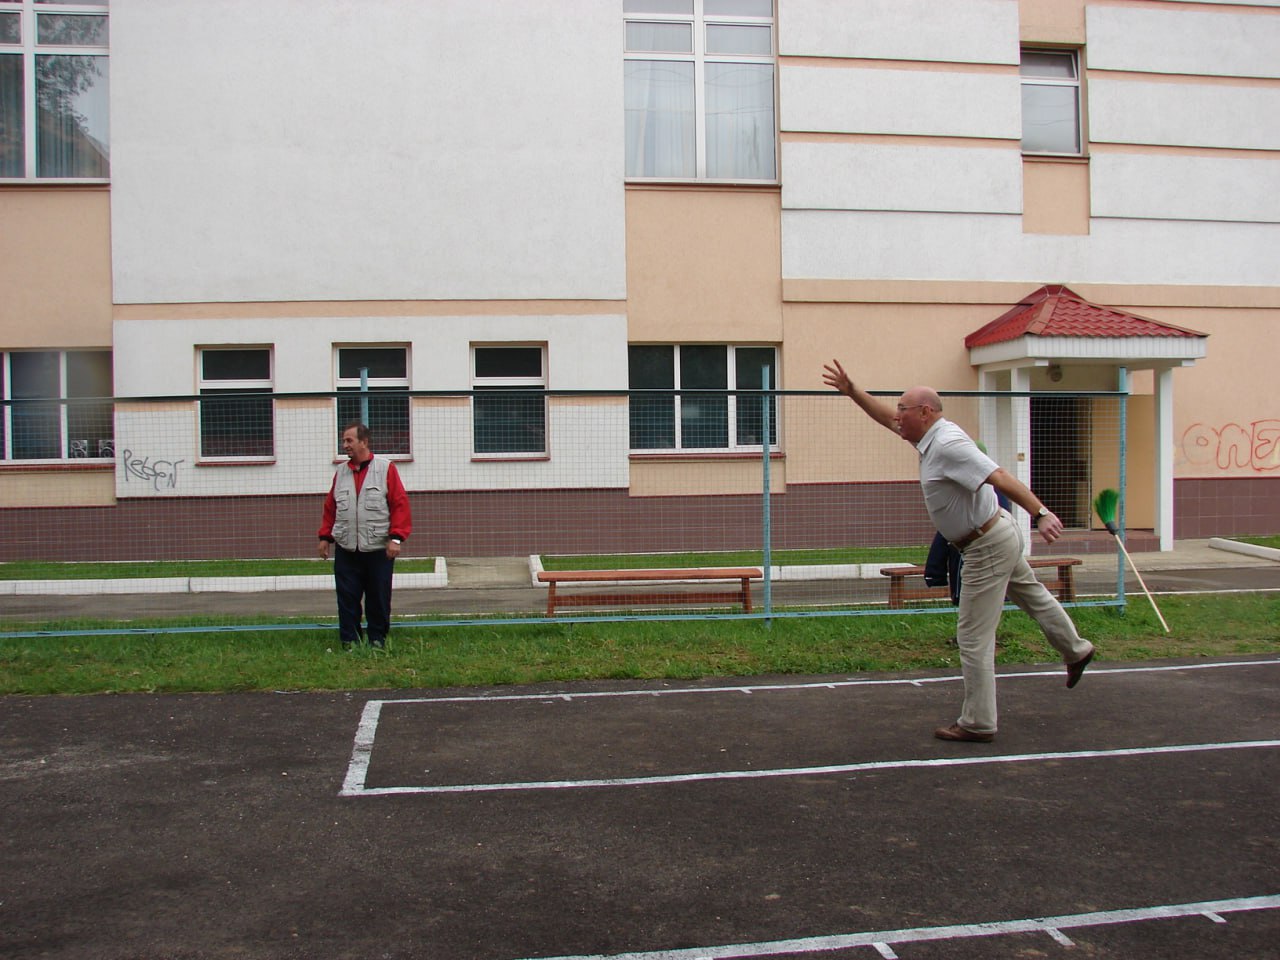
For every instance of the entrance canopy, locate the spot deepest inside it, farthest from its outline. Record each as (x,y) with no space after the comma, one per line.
(1056,327)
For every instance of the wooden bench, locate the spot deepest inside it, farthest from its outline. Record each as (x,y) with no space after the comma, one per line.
(1064,585)
(741,595)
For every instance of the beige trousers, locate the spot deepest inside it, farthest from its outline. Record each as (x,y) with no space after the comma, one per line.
(994,567)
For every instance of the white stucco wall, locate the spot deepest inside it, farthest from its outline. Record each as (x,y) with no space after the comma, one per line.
(873,176)
(1153,187)
(1212,43)
(1184,113)
(324,150)
(904,102)
(966,31)
(936,246)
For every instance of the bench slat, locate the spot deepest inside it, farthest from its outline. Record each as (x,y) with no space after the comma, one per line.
(744,576)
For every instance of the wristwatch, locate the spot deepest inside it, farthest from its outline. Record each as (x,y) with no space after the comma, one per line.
(1042,512)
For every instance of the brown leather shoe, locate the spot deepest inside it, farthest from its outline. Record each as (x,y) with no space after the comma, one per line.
(1076,670)
(957,732)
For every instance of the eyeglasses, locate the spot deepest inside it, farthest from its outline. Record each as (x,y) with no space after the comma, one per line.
(914,406)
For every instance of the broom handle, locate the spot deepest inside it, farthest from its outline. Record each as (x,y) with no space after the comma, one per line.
(1138,574)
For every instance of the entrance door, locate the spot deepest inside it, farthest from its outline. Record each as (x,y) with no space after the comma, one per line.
(1060,456)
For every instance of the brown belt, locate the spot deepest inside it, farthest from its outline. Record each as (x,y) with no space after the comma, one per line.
(975,534)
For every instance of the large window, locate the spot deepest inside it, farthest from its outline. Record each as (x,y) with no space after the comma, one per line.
(53,89)
(63,409)
(699,81)
(384,406)
(691,420)
(236,412)
(509,409)
(1051,102)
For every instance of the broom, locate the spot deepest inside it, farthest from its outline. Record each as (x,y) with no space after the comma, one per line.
(1105,505)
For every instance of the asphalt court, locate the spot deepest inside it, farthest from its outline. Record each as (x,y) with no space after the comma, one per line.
(1135,816)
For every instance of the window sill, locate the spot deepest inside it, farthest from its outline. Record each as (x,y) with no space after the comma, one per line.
(510,457)
(236,462)
(1055,158)
(765,185)
(44,183)
(683,456)
(48,466)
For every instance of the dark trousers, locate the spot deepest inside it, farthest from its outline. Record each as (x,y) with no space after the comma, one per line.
(363,577)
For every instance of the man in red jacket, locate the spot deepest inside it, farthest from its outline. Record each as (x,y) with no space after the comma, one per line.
(366,518)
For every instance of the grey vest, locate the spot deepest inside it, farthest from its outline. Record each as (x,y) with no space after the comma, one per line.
(362,521)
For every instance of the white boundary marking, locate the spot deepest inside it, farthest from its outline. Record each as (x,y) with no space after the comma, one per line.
(362,749)
(882,940)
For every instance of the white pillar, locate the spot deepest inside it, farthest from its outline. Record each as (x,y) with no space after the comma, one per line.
(1164,459)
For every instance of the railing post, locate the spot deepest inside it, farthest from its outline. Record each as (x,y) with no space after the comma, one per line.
(766,499)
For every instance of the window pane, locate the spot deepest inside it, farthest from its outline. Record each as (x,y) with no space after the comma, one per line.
(235,364)
(10,28)
(750,363)
(1052,66)
(653,418)
(660,37)
(12,117)
(90,432)
(69,30)
(237,424)
(388,419)
(71,116)
(37,427)
(509,362)
(1050,122)
(749,41)
(704,419)
(740,135)
(657,6)
(509,422)
(383,363)
(660,140)
(738,8)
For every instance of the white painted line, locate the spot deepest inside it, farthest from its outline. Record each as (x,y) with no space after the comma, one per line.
(354,785)
(1060,937)
(1094,671)
(358,768)
(885,951)
(958,932)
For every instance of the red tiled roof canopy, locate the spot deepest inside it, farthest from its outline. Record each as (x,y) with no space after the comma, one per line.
(1056,311)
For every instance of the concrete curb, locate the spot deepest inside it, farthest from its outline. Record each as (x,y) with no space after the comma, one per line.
(27,588)
(1247,549)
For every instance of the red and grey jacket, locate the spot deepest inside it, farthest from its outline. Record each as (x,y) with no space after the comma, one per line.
(367,505)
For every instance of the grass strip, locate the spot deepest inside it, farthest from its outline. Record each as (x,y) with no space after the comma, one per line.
(156,569)
(490,655)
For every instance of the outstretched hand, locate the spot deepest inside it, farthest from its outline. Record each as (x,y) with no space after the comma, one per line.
(836,378)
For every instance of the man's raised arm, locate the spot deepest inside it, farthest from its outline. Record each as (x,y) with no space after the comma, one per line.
(881,413)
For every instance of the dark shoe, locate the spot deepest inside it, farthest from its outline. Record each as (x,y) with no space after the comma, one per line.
(957,732)
(1076,670)
(346,645)
(379,644)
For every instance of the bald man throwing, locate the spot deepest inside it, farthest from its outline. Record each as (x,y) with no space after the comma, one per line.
(959,483)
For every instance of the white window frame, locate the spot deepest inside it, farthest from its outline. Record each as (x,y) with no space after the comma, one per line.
(29,48)
(1073,83)
(699,21)
(258,385)
(537,383)
(376,385)
(66,450)
(733,446)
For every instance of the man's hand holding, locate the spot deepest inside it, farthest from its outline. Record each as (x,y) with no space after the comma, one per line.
(1050,527)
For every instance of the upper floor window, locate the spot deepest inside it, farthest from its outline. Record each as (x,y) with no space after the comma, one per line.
(1051,102)
(716,420)
(64,408)
(373,389)
(236,412)
(509,409)
(699,89)
(53,89)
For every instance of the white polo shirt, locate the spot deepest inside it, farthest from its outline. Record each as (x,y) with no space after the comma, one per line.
(953,473)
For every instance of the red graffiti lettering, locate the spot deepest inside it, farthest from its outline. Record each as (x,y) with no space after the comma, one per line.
(1231,446)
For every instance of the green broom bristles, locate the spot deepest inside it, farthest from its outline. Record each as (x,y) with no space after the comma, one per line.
(1105,504)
